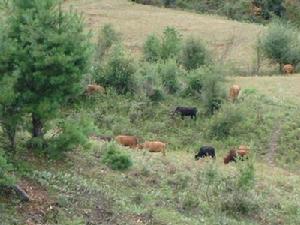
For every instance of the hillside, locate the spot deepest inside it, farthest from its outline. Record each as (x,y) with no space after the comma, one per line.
(83,189)
(135,22)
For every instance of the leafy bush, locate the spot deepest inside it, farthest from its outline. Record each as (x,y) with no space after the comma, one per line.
(152,49)
(171,43)
(194,54)
(194,83)
(106,38)
(118,71)
(148,76)
(213,92)
(292,11)
(72,132)
(169,73)
(115,158)
(5,169)
(281,44)
(224,121)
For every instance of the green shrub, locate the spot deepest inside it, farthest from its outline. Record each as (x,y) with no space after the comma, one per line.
(169,73)
(225,121)
(292,12)
(213,92)
(118,71)
(246,175)
(281,44)
(171,43)
(148,76)
(152,49)
(194,83)
(72,132)
(194,54)
(115,158)
(6,177)
(106,38)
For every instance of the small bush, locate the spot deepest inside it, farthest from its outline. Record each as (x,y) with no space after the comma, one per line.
(213,92)
(281,44)
(149,84)
(225,121)
(115,158)
(118,71)
(169,73)
(152,49)
(171,43)
(5,169)
(74,132)
(194,54)
(194,83)
(107,37)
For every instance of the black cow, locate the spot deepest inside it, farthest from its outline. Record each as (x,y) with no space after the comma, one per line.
(186,111)
(206,151)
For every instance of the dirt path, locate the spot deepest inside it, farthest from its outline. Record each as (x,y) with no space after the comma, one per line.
(273,144)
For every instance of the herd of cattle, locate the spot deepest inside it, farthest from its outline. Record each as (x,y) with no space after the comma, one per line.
(158,146)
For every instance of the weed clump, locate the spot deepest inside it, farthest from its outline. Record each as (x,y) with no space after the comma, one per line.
(115,158)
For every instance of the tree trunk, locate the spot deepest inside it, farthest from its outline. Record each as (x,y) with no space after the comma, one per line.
(37,126)
(10,131)
(281,67)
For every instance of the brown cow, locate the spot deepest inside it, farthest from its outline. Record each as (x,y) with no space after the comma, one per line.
(288,69)
(234,92)
(233,154)
(154,146)
(130,141)
(94,88)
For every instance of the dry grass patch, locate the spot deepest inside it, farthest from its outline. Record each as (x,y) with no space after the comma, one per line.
(285,89)
(135,22)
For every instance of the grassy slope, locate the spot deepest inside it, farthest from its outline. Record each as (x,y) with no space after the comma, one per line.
(286,89)
(147,194)
(136,21)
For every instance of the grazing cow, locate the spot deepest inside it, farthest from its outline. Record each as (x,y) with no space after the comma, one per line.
(244,147)
(130,141)
(206,151)
(154,146)
(233,154)
(94,88)
(234,92)
(288,69)
(186,111)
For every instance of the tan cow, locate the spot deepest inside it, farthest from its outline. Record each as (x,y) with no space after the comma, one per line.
(125,140)
(234,92)
(288,69)
(94,88)
(244,147)
(154,146)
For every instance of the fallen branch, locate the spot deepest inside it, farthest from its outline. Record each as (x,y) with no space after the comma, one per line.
(18,191)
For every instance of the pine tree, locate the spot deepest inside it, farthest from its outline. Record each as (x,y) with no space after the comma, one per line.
(50,58)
